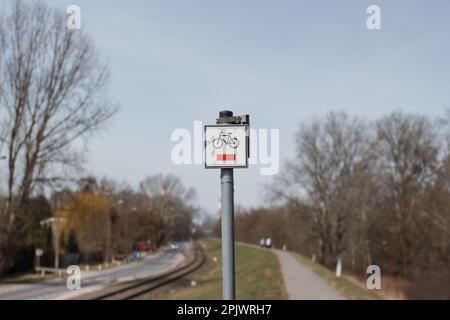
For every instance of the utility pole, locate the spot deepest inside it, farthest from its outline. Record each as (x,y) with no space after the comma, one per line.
(226,147)
(125,247)
(55,224)
(162,208)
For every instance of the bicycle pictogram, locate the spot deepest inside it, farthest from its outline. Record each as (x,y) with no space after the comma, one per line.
(225,138)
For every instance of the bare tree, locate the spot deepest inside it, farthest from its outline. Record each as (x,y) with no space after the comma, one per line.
(375,193)
(408,151)
(332,159)
(166,185)
(168,196)
(52,94)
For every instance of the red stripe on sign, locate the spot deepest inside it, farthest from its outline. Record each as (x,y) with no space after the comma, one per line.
(225,157)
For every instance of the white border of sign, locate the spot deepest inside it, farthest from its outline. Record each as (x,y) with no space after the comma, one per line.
(246,146)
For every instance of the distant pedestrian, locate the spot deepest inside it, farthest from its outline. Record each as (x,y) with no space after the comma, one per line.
(262,242)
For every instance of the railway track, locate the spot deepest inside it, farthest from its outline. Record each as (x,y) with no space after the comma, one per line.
(142,287)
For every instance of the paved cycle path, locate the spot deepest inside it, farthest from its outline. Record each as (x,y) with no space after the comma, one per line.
(303,284)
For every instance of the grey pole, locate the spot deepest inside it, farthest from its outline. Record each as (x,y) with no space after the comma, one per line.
(38,262)
(227,191)
(57,247)
(55,230)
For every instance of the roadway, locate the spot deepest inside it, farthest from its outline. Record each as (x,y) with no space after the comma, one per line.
(93,280)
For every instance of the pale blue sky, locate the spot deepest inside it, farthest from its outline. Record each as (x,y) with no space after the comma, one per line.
(282,62)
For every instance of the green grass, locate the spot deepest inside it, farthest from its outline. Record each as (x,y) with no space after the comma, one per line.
(344,286)
(258,276)
(24,278)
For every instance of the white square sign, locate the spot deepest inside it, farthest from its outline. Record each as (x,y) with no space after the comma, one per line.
(226,146)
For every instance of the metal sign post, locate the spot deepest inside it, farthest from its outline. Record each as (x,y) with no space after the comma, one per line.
(227,191)
(226,147)
(38,252)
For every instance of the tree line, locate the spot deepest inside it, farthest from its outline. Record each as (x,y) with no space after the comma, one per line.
(367,192)
(53,99)
(53,96)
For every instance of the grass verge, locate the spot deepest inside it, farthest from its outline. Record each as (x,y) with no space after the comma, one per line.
(258,276)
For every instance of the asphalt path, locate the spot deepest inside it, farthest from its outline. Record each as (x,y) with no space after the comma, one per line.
(95,279)
(303,284)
